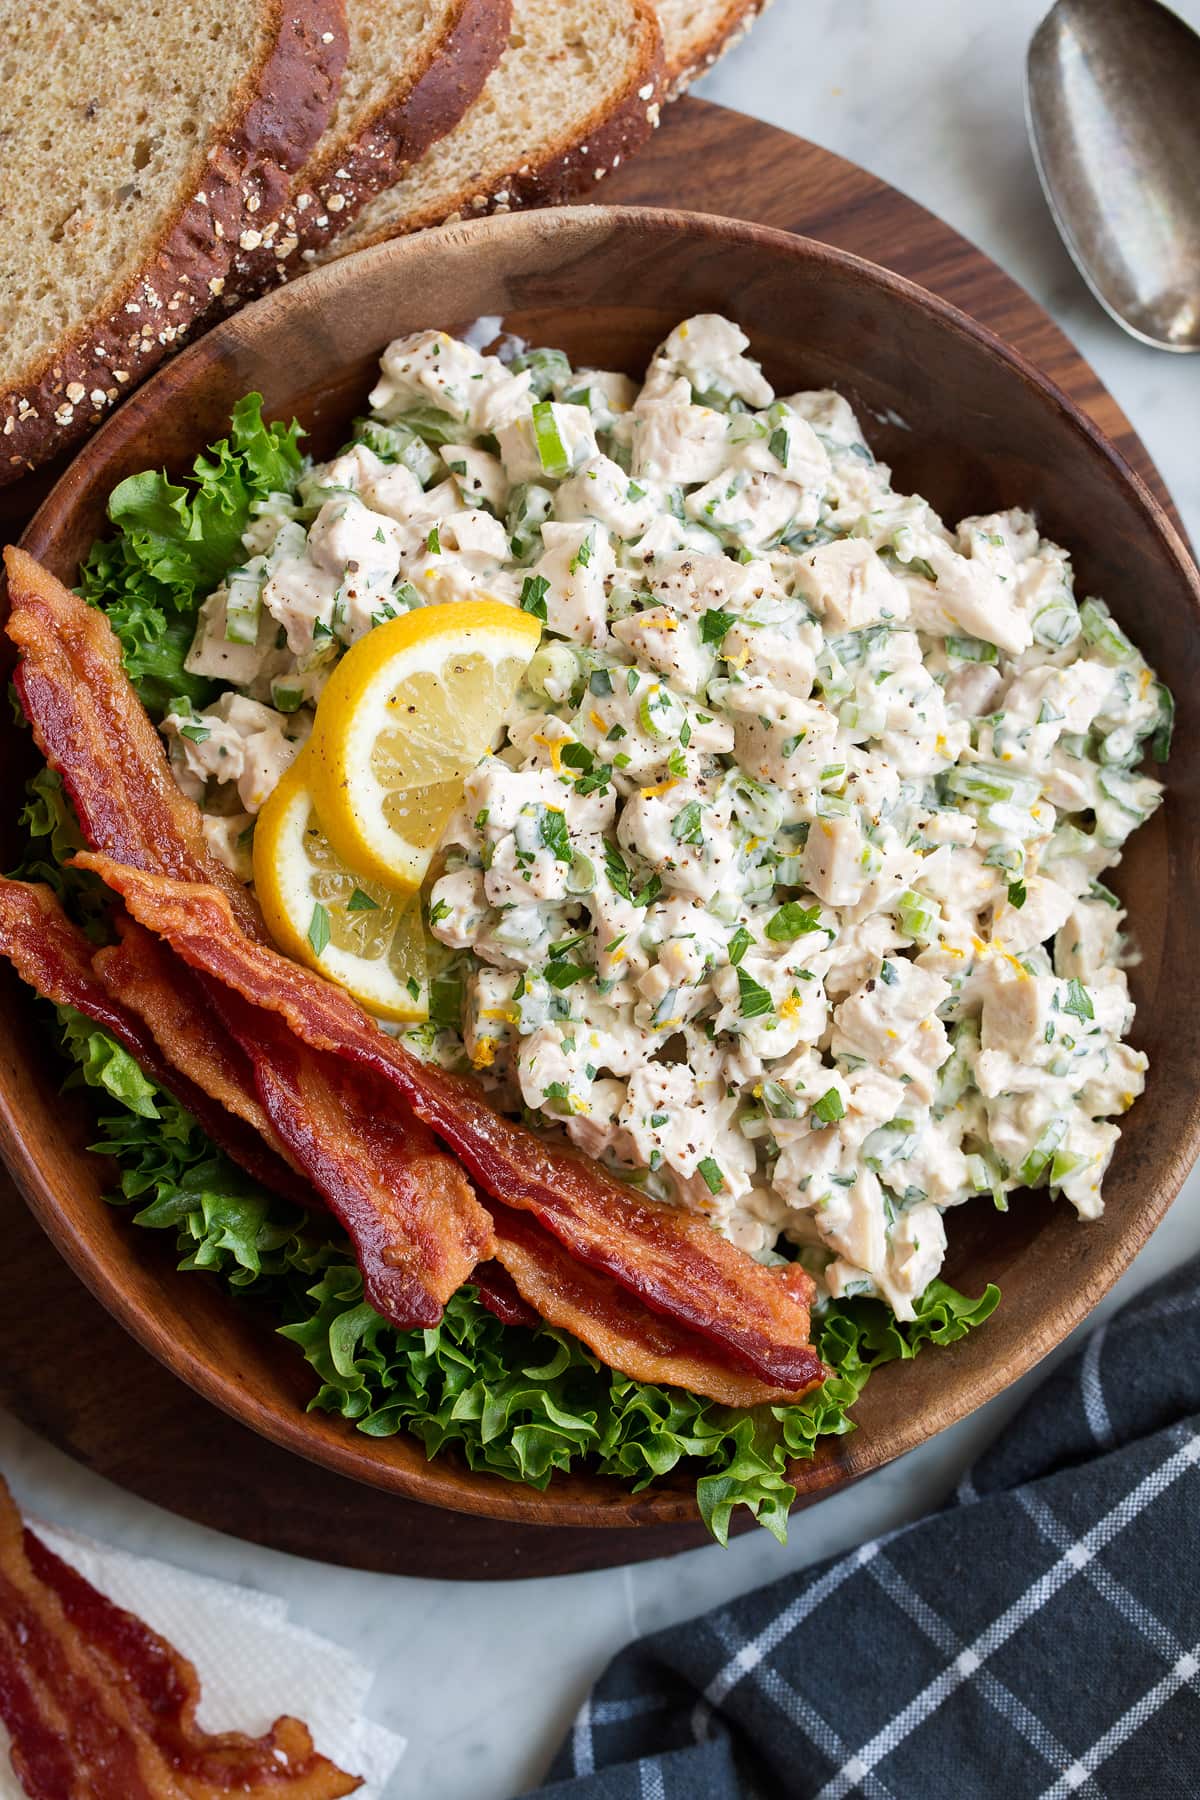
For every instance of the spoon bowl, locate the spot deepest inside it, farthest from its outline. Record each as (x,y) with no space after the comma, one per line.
(1113,106)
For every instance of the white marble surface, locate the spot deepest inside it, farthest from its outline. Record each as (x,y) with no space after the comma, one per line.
(483,1679)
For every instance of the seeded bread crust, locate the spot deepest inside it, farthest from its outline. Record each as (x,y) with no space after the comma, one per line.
(688,61)
(561,170)
(342,177)
(278,114)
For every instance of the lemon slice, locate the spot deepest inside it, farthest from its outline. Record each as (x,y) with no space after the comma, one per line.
(406,714)
(361,933)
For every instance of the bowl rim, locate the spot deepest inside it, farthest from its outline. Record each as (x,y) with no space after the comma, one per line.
(487,1495)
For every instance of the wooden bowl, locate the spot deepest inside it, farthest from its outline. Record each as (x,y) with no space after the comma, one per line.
(964,421)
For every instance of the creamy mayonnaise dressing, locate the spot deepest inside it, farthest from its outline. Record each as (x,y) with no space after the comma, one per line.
(781,892)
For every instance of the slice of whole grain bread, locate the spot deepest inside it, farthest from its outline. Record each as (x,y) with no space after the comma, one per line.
(413,69)
(139,144)
(697,32)
(578,87)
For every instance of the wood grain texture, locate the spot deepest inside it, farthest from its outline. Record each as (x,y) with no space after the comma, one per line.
(984,433)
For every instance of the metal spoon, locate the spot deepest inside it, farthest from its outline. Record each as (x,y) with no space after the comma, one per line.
(1112,97)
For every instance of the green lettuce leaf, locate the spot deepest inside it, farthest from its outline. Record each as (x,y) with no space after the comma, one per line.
(522,1404)
(176,541)
(52,835)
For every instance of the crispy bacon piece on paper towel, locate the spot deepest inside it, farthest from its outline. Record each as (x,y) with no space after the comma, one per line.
(675,1263)
(54,957)
(90,725)
(99,1707)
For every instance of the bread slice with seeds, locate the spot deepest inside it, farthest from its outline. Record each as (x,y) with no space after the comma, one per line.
(138,144)
(697,32)
(577,89)
(413,69)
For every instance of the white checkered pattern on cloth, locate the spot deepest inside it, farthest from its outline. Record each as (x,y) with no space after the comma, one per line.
(1038,1637)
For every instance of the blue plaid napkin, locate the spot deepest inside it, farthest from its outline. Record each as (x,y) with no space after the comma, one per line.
(1039,1636)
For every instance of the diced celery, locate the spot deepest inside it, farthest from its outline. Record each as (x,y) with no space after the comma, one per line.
(1119,748)
(581,876)
(1039,1158)
(529,506)
(1132,793)
(778,1102)
(285,698)
(744,428)
(986,782)
(399,444)
(433,424)
(1056,624)
(986,1176)
(243,606)
(969,649)
(954,1076)
(1102,630)
(789,871)
(659,713)
(888,1144)
(759,807)
(552,452)
(549,370)
(1065,1163)
(918,916)
(552,671)
(1164,724)
(666,1007)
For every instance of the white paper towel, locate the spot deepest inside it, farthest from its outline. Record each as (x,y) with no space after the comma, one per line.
(253,1665)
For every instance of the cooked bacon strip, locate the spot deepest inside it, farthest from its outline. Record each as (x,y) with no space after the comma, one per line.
(498,1292)
(90,725)
(100,1707)
(417,1229)
(616,1326)
(673,1261)
(168,998)
(54,957)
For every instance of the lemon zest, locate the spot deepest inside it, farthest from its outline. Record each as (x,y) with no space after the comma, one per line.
(554,746)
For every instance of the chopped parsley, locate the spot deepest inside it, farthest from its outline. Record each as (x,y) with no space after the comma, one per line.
(318,929)
(686,827)
(534,589)
(793,921)
(753,998)
(360,902)
(829,1108)
(711,1172)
